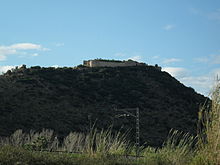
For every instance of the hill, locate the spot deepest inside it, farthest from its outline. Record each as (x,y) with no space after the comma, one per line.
(71,99)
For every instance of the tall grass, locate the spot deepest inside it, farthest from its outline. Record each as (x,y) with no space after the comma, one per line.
(96,147)
(33,138)
(74,142)
(99,143)
(209,131)
(108,143)
(176,150)
(102,143)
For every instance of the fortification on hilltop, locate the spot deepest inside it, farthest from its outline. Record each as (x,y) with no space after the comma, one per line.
(111,63)
(114,63)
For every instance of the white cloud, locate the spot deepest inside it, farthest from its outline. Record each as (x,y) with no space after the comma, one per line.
(19,48)
(194,10)
(4,69)
(176,71)
(25,46)
(211,59)
(4,51)
(171,60)
(202,59)
(59,44)
(155,57)
(120,54)
(202,84)
(169,27)
(136,58)
(2,57)
(200,81)
(215,15)
(35,55)
(55,66)
(215,59)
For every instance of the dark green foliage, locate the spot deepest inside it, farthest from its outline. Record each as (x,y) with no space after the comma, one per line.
(67,99)
(38,145)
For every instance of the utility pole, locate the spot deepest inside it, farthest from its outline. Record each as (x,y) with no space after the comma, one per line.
(137,132)
(137,118)
(90,122)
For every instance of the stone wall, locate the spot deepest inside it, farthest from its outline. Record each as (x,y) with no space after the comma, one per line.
(102,63)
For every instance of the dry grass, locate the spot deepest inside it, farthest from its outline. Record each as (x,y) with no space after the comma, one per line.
(99,143)
(20,139)
(95,143)
(176,150)
(209,131)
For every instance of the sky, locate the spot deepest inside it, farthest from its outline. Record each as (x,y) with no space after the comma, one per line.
(181,36)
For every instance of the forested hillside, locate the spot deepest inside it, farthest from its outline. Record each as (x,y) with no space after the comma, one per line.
(72,99)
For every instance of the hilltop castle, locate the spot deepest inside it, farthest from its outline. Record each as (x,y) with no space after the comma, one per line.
(111,63)
(114,63)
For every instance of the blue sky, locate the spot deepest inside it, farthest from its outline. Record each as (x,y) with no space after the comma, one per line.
(182,36)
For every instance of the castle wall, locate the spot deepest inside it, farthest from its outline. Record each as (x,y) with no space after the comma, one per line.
(99,63)
(103,63)
(111,64)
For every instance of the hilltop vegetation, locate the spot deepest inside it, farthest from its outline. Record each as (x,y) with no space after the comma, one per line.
(107,148)
(71,99)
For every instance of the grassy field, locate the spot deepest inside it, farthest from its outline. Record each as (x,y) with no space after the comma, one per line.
(106,148)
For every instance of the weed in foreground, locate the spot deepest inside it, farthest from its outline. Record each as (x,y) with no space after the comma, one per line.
(209,132)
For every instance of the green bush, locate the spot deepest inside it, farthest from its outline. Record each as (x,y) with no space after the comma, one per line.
(39,144)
